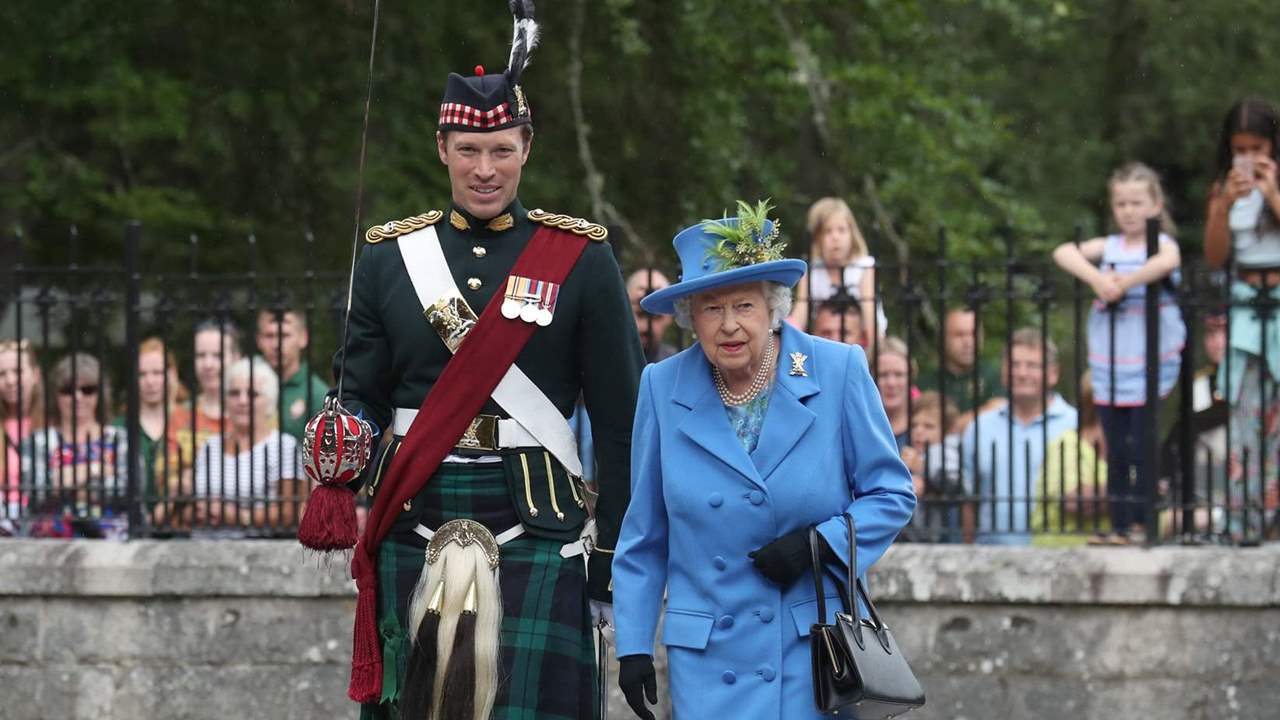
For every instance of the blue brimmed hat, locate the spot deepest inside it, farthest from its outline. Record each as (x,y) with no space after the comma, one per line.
(729,251)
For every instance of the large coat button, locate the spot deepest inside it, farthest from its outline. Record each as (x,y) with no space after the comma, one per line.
(715,500)
(729,677)
(726,622)
(719,562)
(767,673)
(756,497)
(766,615)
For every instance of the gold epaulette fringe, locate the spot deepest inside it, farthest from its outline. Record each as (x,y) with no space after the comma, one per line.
(577,226)
(396,228)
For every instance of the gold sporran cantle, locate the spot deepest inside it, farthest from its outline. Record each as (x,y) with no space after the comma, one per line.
(455,614)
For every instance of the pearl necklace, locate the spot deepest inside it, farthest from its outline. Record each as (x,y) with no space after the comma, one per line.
(758,383)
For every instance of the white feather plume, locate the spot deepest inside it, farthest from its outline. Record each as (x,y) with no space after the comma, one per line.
(524,33)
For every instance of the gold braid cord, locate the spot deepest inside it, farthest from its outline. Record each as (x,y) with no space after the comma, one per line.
(396,228)
(577,226)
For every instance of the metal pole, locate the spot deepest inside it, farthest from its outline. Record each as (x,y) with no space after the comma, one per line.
(133,404)
(1151,419)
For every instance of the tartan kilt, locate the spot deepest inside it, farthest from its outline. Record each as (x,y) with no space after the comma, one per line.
(547,654)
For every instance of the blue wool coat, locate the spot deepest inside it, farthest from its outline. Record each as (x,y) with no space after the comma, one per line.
(737,644)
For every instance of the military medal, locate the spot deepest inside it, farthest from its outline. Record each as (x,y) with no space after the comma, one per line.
(533,301)
(511,302)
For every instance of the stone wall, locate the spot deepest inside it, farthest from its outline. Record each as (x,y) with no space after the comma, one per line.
(259,630)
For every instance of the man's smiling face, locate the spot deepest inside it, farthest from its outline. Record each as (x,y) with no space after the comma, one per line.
(484,168)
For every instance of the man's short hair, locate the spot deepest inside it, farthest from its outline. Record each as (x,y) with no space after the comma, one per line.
(279,313)
(1033,338)
(841,307)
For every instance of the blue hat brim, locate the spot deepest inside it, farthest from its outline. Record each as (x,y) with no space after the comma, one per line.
(787,272)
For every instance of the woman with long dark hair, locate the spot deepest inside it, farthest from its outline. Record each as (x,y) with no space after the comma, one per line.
(1242,231)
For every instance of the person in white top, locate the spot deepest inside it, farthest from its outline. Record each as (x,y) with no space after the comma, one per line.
(839,263)
(250,477)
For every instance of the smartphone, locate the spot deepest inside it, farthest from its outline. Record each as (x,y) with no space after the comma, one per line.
(1243,163)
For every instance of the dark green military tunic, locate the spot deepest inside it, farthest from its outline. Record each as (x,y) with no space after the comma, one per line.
(590,350)
(591,347)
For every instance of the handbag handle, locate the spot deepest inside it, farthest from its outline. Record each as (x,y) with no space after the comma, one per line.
(852,583)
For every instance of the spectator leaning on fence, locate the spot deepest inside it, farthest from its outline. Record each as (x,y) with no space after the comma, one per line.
(1119,270)
(1009,442)
(840,262)
(971,384)
(1243,224)
(21,410)
(652,327)
(1072,483)
(77,464)
(162,413)
(249,477)
(283,340)
(840,321)
(895,371)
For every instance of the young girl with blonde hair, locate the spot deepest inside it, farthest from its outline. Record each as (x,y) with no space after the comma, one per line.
(1119,270)
(839,261)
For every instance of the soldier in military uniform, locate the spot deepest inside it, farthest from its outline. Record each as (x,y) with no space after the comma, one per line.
(498,474)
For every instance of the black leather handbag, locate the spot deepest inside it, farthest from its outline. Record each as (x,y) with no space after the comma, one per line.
(858,670)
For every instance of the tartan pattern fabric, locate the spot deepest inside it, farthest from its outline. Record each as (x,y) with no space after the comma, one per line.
(463,115)
(548,652)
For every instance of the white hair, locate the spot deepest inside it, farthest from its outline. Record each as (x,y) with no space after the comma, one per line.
(776,296)
(259,372)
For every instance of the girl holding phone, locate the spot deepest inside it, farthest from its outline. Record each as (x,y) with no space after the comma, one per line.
(1242,229)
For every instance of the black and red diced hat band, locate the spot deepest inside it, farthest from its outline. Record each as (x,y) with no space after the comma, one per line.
(482,103)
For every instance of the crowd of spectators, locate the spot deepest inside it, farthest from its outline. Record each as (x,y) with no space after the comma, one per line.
(223,461)
(996,453)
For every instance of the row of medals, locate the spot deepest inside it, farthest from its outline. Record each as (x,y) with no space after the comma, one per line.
(527,303)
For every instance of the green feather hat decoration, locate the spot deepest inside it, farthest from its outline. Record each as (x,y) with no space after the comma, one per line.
(752,240)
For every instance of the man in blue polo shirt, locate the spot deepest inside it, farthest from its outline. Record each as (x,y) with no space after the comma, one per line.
(1007,444)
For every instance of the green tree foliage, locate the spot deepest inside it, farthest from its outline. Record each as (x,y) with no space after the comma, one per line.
(224,118)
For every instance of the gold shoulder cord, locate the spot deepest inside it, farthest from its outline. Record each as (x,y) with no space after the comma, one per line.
(396,228)
(577,226)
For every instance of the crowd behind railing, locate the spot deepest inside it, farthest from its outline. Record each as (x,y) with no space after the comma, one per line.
(1116,393)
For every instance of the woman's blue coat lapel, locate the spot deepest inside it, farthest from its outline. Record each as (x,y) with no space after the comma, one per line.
(786,421)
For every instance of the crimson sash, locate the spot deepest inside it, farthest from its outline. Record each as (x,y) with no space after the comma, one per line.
(453,401)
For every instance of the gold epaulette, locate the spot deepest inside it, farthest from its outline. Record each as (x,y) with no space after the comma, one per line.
(577,226)
(396,228)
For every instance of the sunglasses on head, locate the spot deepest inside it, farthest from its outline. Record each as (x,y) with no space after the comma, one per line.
(84,390)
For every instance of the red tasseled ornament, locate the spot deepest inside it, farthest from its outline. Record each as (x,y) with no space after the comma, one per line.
(329,522)
(366,652)
(335,449)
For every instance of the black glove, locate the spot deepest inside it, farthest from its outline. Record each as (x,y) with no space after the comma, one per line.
(638,679)
(788,557)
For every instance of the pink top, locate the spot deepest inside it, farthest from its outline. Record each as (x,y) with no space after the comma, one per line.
(11,464)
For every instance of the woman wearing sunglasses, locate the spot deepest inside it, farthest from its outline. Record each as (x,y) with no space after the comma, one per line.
(77,463)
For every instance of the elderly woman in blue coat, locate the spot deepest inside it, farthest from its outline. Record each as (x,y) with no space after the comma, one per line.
(741,443)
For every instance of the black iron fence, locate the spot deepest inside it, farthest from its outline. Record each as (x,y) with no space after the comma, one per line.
(217,374)
(204,440)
